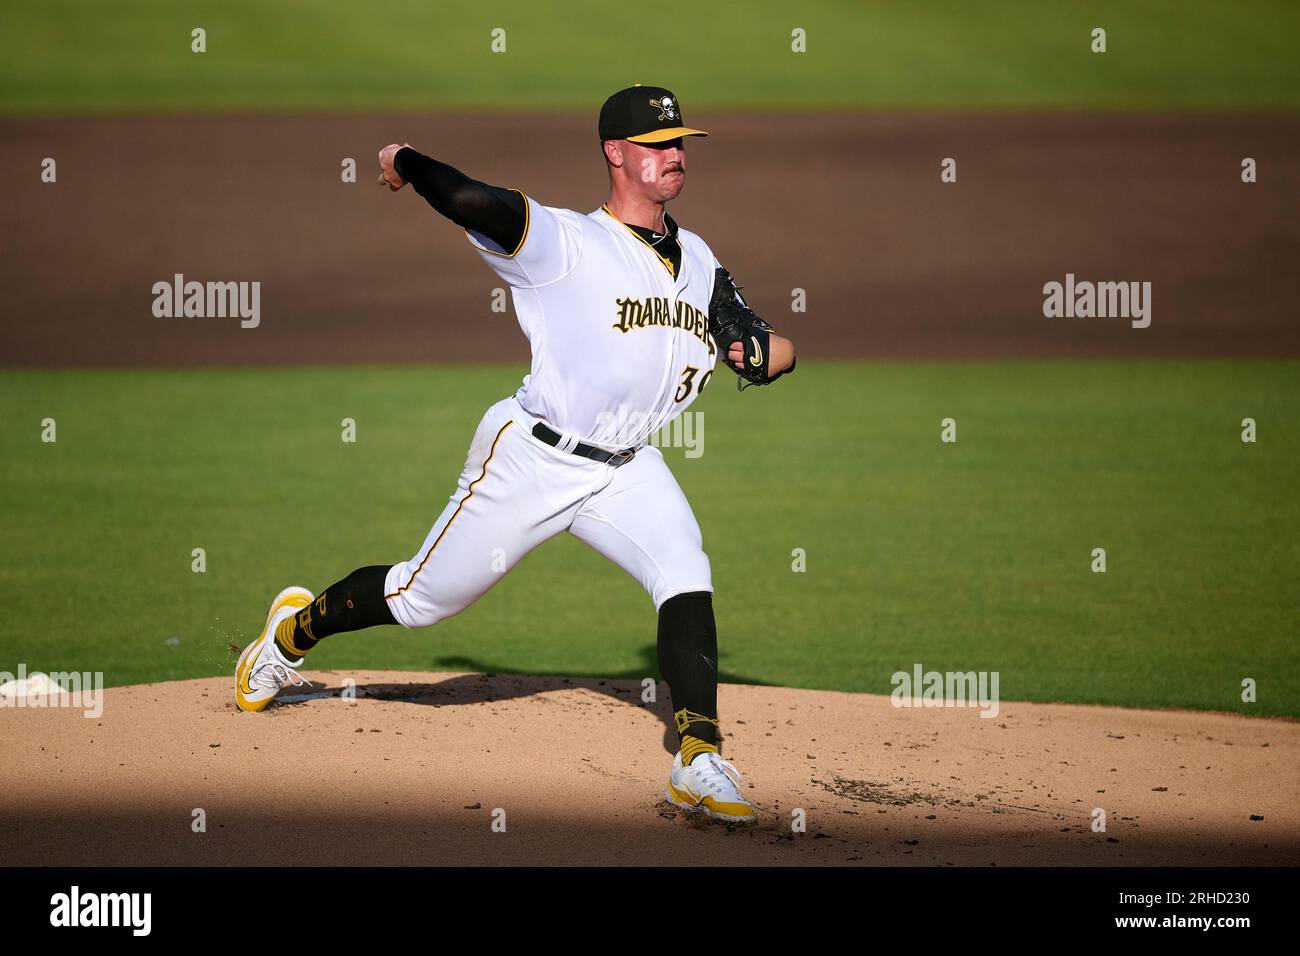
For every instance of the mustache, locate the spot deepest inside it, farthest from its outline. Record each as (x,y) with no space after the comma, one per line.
(674,168)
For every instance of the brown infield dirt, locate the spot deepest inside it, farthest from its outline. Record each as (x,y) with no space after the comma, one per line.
(412,770)
(849,208)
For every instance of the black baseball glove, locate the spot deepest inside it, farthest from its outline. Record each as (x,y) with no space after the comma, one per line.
(732,320)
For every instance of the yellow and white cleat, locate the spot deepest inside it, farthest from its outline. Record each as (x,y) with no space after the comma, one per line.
(262,670)
(710,785)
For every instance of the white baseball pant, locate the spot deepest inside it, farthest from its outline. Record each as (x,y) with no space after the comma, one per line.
(516,491)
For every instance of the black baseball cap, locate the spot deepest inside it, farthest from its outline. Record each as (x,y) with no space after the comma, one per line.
(644,114)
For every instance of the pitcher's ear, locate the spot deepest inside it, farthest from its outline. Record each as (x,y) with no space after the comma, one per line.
(613,152)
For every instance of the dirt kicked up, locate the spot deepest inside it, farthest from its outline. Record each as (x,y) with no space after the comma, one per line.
(417,768)
(850,211)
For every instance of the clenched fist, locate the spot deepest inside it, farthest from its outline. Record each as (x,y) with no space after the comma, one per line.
(387,174)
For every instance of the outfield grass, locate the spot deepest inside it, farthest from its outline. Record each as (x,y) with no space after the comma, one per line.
(91,55)
(967,556)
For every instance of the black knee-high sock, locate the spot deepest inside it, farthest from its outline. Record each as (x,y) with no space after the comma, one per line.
(688,659)
(353,603)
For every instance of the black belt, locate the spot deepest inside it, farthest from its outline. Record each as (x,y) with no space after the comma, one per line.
(615,458)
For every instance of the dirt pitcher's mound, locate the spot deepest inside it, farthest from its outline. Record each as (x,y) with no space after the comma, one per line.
(418,768)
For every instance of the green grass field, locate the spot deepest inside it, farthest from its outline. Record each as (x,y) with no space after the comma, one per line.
(92,55)
(963,556)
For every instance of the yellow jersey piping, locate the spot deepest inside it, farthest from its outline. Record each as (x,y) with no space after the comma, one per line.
(528,216)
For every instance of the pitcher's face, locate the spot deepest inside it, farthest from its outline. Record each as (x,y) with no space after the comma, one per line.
(658,170)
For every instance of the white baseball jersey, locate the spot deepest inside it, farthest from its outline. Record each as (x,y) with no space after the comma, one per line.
(620,342)
(621,346)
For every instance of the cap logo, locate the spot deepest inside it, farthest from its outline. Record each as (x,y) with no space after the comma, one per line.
(666,107)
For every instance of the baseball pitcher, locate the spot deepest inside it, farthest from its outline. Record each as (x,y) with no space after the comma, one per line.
(625,313)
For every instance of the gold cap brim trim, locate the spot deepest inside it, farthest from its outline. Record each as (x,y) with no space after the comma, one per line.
(663,135)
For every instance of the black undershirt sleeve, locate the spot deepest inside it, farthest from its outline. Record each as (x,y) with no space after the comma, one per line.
(500,214)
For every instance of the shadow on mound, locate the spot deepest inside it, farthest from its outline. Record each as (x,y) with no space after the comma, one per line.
(243,831)
(489,684)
